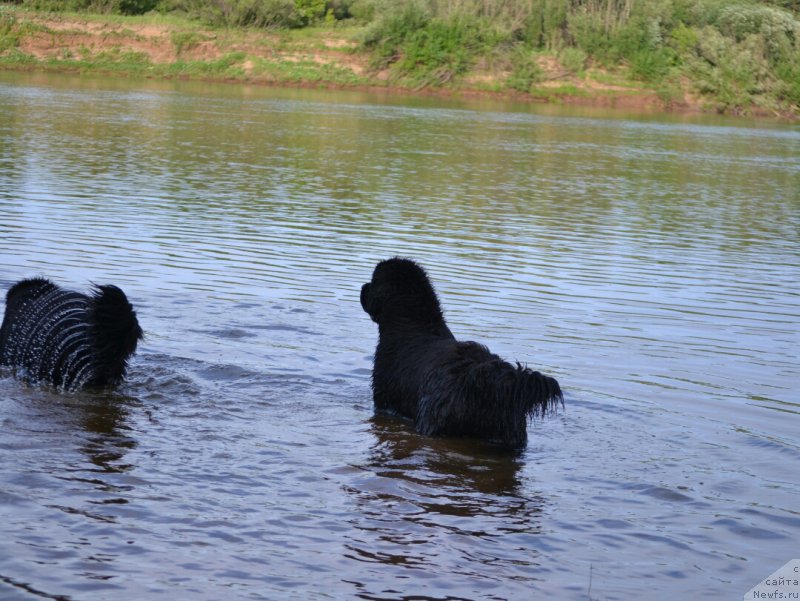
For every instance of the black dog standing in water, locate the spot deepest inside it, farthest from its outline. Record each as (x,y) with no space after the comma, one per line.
(68,339)
(447,387)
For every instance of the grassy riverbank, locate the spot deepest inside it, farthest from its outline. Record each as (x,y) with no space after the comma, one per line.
(745,59)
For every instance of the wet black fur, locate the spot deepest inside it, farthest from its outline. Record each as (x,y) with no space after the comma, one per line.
(446,387)
(68,339)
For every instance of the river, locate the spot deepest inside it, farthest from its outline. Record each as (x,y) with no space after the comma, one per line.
(648,262)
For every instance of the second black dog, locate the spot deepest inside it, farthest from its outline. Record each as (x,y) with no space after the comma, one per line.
(68,339)
(447,387)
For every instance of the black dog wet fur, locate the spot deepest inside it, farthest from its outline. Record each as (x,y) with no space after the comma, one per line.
(447,387)
(67,339)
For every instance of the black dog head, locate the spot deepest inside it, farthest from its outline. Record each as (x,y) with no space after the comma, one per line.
(401,293)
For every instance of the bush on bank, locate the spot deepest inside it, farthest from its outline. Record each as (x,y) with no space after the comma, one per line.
(740,53)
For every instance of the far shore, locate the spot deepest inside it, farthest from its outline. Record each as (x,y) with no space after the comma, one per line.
(324,57)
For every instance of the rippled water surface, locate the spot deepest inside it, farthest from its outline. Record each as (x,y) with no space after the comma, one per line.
(651,264)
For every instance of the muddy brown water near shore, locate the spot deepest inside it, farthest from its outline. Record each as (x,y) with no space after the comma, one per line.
(650,264)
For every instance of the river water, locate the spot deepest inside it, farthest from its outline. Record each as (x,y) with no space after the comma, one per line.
(650,263)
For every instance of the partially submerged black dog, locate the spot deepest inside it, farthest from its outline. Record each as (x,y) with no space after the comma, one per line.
(447,387)
(68,339)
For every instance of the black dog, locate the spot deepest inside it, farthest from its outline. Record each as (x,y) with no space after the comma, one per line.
(68,339)
(447,387)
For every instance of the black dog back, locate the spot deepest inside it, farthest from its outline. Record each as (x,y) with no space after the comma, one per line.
(68,339)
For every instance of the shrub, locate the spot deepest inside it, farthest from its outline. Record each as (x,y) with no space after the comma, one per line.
(739,20)
(573,59)
(779,29)
(788,88)
(652,66)
(546,24)
(363,10)
(387,35)
(338,9)
(186,40)
(311,10)
(584,31)
(427,49)
(525,71)
(733,73)
(441,50)
(254,13)
(238,13)
(9,37)
(683,39)
(670,92)
(123,7)
(136,7)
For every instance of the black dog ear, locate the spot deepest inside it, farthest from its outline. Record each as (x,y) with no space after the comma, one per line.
(369,303)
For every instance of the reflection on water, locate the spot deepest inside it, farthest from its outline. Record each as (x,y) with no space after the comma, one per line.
(416,495)
(109,440)
(453,464)
(649,263)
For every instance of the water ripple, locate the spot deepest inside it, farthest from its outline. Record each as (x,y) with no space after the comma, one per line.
(651,265)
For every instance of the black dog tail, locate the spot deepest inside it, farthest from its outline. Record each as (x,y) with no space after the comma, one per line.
(114,331)
(538,394)
(472,392)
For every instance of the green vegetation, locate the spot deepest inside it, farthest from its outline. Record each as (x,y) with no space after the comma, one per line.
(738,55)
(186,40)
(12,31)
(428,51)
(525,71)
(122,7)
(306,72)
